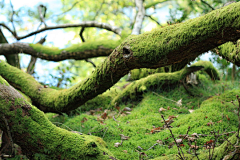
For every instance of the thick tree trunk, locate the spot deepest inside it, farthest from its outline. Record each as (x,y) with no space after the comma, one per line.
(34,133)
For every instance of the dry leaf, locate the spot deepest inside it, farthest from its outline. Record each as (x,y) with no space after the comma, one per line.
(181,145)
(219,121)
(125,151)
(168,107)
(117,144)
(84,120)
(194,147)
(158,129)
(160,142)
(161,109)
(104,115)
(118,108)
(92,112)
(139,148)
(124,137)
(179,102)
(179,140)
(127,109)
(191,139)
(209,123)
(190,110)
(128,112)
(227,117)
(195,135)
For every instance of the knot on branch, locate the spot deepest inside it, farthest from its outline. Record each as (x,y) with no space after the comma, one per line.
(127,53)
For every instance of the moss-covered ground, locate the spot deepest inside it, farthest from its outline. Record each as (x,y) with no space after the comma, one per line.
(209,110)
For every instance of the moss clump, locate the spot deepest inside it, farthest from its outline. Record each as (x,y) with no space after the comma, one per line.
(144,72)
(209,69)
(157,80)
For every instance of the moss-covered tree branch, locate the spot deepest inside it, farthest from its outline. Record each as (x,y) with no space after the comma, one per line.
(158,48)
(78,51)
(230,51)
(35,134)
(157,80)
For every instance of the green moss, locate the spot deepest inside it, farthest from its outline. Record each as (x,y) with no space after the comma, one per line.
(157,80)
(209,69)
(110,44)
(144,72)
(45,49)
(3,81)
(145,115)
(154,46)
(230,50)
(47,139)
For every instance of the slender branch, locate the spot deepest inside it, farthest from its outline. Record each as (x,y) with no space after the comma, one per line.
(108,27)
(83,40)
(8,28)
(65,11)
(13,12)
(81,34)
(180,152)
(149,16)
(98,11)
(31,65)
(207,4)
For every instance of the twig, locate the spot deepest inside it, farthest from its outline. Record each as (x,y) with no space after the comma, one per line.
(180,152)
(81,34)
(64,11)
(215,141)
(207,4)
(13,12)
(108,27)
(31,65)
(195,153)
(105,132)
(83,40)
(165,97)
(152,146)
(149,16)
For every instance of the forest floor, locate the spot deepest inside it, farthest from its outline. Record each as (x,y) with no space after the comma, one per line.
(136,130)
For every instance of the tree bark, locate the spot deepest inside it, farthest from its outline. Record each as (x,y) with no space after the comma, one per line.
(35,134)
(11,59)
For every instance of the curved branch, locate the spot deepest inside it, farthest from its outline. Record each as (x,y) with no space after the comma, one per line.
(232,49)
(163,80)
(108,27)
(77,52)
(158,48)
